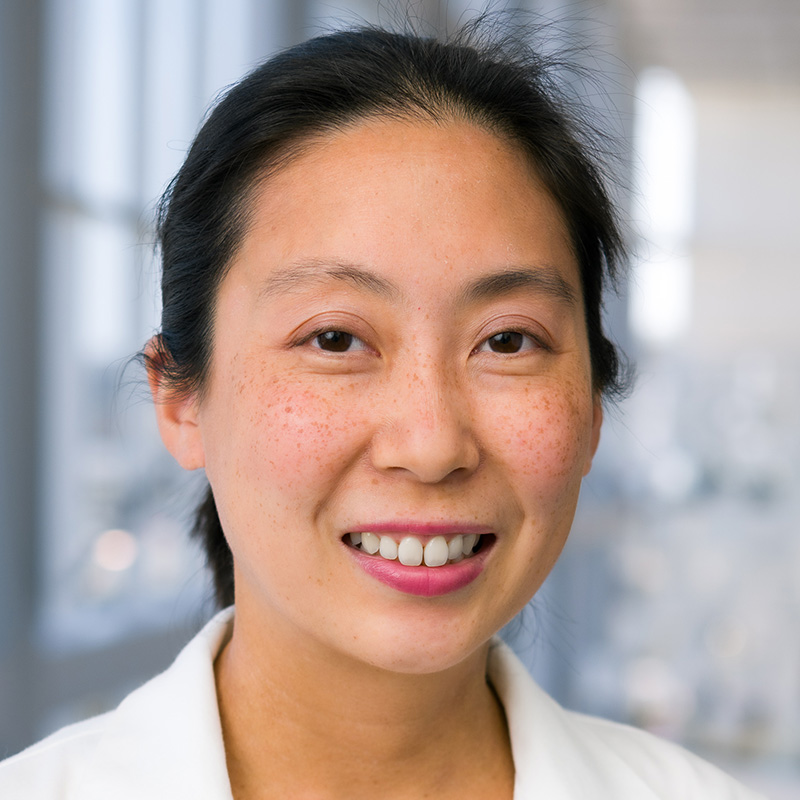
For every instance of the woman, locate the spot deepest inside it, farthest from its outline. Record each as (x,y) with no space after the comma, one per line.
(383,261)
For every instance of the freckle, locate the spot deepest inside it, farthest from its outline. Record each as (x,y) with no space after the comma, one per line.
(288,409)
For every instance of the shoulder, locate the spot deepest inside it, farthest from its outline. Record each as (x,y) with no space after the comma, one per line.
(565,755)
(47,769)
(665,768)
(163,741)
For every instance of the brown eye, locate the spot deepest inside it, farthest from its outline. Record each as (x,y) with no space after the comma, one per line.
(337,342)
(506,342)
(334,341)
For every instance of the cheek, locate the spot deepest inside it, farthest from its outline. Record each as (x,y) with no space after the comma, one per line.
(548,442)
(283,436)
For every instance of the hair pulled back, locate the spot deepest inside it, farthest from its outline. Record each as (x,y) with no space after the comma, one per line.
(326,84)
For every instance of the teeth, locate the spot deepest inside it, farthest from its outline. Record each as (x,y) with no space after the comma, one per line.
(411,552)
(370,542)
(436,552)
(454,547)
(388,549)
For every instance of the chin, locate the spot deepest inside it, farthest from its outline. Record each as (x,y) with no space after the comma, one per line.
(418,649)
(420,660)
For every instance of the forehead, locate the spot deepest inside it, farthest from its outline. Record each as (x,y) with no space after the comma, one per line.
(446,200)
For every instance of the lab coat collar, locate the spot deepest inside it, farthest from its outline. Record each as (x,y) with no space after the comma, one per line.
(164,741)
(555,755)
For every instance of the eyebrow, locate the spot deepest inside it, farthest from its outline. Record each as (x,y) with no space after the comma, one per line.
(301,275)
(543,279)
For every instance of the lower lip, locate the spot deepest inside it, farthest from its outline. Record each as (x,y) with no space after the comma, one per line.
(422,581)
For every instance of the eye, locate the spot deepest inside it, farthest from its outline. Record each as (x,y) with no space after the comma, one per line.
(337,342)
(508,343)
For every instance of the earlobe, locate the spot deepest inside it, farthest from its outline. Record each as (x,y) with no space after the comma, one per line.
(176,414)
(597,424)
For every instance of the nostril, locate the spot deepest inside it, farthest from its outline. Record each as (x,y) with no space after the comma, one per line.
(431,453)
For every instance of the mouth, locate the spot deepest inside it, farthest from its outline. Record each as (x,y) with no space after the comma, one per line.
(415,551)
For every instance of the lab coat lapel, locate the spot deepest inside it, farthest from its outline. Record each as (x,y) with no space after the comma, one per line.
(165,739)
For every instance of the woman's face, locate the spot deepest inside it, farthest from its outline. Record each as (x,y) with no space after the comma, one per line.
(399,353)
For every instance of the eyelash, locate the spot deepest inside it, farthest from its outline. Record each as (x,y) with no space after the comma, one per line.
(312,338)
(535,341)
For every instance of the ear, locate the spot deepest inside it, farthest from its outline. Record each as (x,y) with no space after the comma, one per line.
(177,415)
(597,423)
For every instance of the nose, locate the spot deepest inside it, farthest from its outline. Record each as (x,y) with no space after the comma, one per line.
(428,433)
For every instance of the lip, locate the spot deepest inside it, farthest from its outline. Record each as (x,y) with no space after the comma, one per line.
(423,581)
(416,528)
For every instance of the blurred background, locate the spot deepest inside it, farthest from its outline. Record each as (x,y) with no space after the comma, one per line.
(676,605)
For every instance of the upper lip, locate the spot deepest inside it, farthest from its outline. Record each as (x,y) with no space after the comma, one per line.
(419,528)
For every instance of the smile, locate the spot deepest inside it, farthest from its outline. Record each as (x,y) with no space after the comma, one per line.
(413,551)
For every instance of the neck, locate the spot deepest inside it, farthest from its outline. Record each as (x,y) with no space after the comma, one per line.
(372,732)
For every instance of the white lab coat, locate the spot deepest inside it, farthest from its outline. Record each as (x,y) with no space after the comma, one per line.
(164,742)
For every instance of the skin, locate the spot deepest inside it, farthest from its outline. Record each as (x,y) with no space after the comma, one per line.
(420,419)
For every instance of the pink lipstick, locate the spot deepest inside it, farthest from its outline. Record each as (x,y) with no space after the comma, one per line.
(423,559)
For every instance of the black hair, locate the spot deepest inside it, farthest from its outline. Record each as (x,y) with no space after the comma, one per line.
(324,85)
